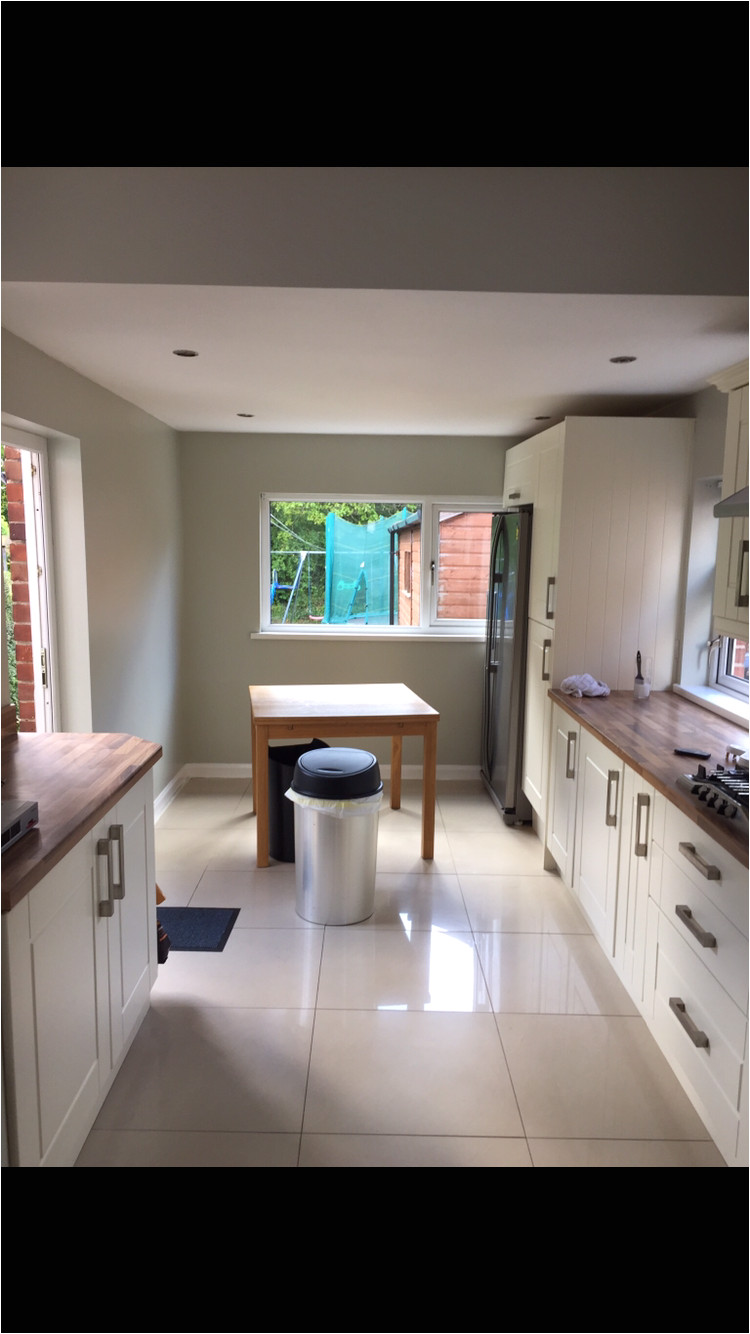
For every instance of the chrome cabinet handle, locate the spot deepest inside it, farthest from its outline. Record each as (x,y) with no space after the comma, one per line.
(613,784)
(514,495)
(117,835)
(710,872)
(550,611)
(642,802)
(546,646)
(570,771)
(696,1035)
(741,599)
(705,938)
(106,906)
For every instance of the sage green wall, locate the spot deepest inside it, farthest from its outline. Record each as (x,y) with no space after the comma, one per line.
(222,477)
(131,531)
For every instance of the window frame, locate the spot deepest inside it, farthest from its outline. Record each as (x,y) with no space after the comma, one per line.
(723,679)
(429,626)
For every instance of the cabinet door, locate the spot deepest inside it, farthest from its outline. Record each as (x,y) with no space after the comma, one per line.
(131,930)
(55,1045)
(521,472)
(566,738)
(545,530)
(636,861)
(598,819)
(538,714)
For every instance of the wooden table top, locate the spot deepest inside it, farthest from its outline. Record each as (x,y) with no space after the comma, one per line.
(387,702)
(644,733)
(75,778)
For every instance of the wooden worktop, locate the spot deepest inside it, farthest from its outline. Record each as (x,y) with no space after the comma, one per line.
(644,734)
(75,778)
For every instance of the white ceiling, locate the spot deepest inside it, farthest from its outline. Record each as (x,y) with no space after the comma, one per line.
(328,360)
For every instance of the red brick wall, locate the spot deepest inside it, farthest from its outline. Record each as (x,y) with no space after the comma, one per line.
(19,575)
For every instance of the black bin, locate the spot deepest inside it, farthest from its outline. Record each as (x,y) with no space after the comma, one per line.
(281,764)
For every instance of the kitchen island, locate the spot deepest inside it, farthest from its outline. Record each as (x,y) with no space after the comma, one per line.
(78,933)
(662,879)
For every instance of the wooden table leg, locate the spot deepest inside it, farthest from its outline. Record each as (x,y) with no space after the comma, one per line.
(397,745)
(253,755)
(429,791)
(260,794)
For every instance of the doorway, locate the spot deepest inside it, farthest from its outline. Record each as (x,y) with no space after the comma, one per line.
(26,583)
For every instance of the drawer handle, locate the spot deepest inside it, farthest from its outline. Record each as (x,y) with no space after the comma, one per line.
(570,771)
(696,1035)
(710,872)
(642,802)
(705,938)
(613,782)
(117,834)
(514,495)
(550,611)
(106,906)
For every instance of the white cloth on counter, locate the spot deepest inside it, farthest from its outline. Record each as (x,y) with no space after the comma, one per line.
(583,685)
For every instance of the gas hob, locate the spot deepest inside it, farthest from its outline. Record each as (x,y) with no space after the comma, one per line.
(722,790)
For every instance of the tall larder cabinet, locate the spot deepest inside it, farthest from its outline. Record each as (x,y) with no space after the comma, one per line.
(610,499)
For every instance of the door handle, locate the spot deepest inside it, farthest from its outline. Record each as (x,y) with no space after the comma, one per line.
(642,803)
(550,611)
(613,785)
(570,768)
(117,835)
(106,906)
(546,646)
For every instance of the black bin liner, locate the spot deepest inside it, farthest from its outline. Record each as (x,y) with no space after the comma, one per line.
(281,764)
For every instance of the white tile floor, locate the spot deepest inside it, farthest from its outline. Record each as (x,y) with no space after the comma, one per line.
(473,1021)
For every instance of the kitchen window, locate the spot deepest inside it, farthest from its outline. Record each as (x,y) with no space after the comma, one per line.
(732,666)
(374,565)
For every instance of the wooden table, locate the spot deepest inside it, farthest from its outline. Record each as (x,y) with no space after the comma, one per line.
(308,711)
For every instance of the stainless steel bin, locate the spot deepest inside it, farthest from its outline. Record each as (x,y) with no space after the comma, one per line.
(336,795)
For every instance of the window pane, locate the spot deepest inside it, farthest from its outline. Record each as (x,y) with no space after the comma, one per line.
(464,541)
(737,660)
(343,562)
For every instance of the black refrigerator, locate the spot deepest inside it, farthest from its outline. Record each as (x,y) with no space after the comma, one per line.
(505,663)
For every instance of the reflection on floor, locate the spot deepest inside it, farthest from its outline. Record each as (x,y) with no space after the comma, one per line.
(473,1021)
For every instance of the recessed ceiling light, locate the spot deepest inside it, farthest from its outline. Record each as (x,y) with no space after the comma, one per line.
(184,352)
(620,361)
(245,414)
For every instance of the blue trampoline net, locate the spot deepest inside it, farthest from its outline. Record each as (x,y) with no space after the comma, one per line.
(359,562)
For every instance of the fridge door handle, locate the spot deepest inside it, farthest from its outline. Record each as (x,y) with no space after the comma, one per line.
(546,646)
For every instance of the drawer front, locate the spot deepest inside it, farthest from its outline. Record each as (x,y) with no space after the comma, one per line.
(714,1071)
(715,941)
(708,866)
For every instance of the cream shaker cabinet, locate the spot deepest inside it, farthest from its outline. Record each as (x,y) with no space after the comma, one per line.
(598,823)
(566,743)
(79,961)
(633,879)
(610,500)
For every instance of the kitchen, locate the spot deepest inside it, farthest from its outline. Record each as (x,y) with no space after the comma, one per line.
(163,512)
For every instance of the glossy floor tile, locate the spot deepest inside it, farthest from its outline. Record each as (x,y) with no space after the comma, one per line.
(471,1021)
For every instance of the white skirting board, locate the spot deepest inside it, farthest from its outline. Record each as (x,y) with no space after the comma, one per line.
(455,773)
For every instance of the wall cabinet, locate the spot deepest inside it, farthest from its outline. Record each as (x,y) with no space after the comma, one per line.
(79,961)
(730,610)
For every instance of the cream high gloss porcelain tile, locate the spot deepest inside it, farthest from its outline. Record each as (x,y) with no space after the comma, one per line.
(263,968)
(407,900)
(408,1073)
(204,802)
(179,885)
(197,1068)
(550,974)
(624,1153)
(186,1148)
(412,1151)
(179,848)
(521,903)
(400,849)
(401,970)
(234,848)
(265,896)
(588,1077)
(497,851)
(468,806)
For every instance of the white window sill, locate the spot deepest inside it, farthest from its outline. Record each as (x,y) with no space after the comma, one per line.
(388,634)
(735,710)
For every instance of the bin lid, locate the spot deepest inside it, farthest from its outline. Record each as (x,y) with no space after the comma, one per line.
(338,772)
